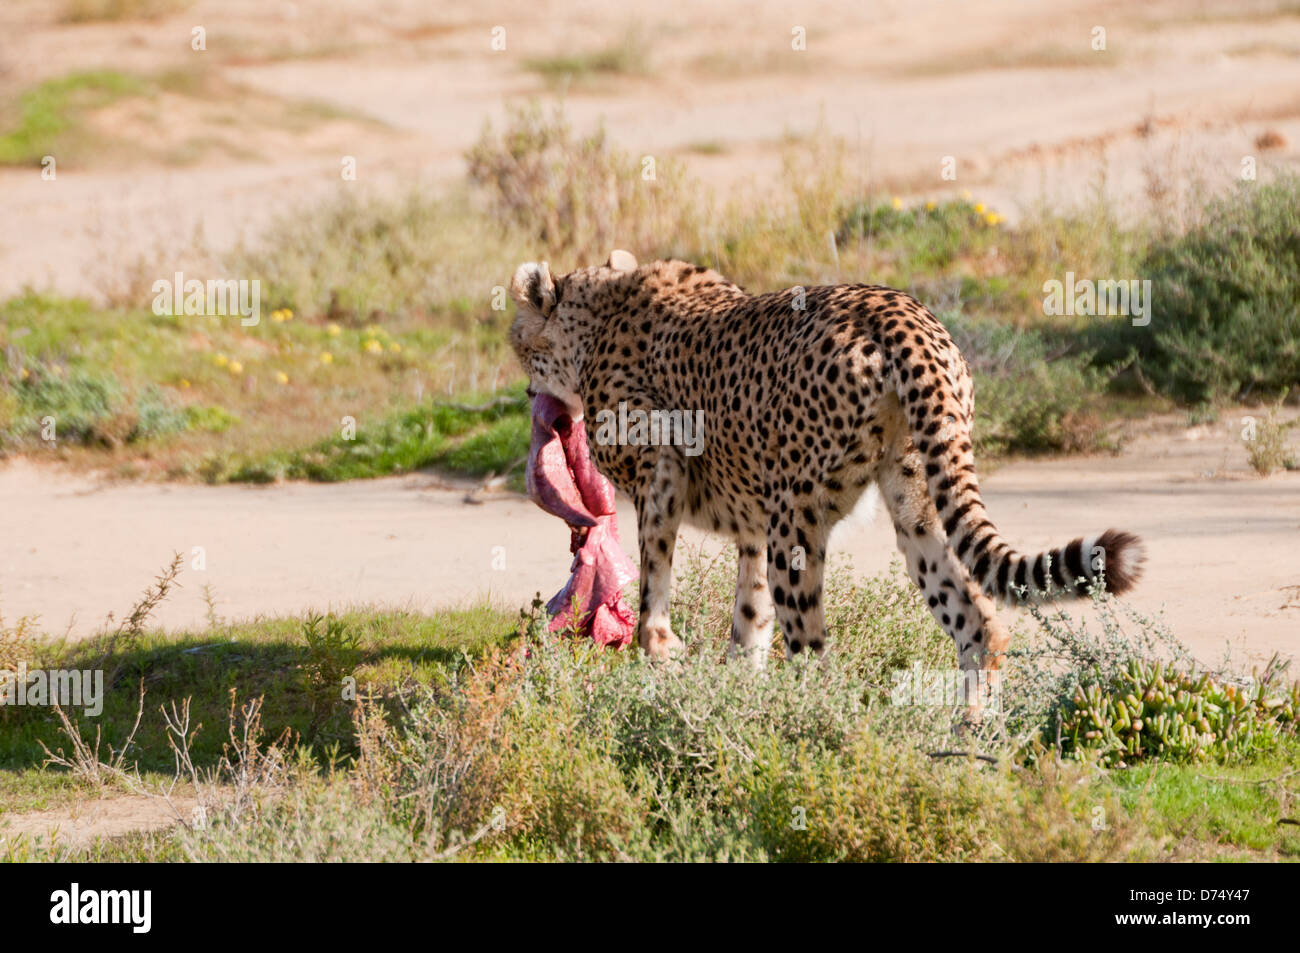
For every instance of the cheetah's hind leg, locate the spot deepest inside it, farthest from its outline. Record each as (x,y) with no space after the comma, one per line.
(955,601)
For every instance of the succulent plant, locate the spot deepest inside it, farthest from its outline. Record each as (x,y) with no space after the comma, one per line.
(1153,711)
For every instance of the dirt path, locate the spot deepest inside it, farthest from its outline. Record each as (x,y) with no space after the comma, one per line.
(1224,564)
(80,824)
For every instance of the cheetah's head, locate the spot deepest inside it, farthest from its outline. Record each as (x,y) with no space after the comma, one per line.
(555,320)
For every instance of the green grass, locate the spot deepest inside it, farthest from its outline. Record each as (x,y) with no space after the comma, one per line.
(46,119)
(57,116)
(204,396)
(1236,807)
(473,438)
(628,57)
(268,657)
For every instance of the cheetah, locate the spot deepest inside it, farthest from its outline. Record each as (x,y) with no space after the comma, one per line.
(809,398)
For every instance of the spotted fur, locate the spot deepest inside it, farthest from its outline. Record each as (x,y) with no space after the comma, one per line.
(809,397)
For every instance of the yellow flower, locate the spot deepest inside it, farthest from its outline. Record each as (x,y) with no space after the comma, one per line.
(333,330)
(282,377)
(979,208)
(236,367)
(395,348)
(327,358)
(897,203)
(221,360)
(185,385)
(993,218)
(929,206)
(277,315)
(374,347)
(24,374)
(288,315)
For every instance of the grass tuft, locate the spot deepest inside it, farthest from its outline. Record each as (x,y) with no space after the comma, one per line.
(46,119)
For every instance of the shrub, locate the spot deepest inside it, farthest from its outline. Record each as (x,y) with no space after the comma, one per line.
(16,640)
(90,408)
(552,749)
(873,801)
(581,752)
(313,823)
(1266,444)
(928,239)
(157,415)
(333,653)
(1028,400)
(580,197)
(1225,320)
(84,405)
(362,256)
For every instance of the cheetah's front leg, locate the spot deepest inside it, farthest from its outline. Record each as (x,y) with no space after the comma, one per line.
(751,623)
(659,502)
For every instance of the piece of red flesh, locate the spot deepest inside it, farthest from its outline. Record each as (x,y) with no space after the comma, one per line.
(564,482)
(550,481)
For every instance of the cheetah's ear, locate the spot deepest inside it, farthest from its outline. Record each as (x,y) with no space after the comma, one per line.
(533,288)
(621,260)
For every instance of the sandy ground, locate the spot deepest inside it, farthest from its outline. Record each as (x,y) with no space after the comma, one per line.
(1011,89)
(80,824)
(1223,561)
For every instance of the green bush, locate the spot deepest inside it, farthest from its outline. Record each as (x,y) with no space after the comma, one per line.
(333,654)
(82,404)
(874,801)
(89,408)
(157,415)
(1225,300)
(928,239)
(1026,399)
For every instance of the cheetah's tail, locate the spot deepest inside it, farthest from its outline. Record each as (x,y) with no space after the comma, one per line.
(941,432)
(1114,556)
